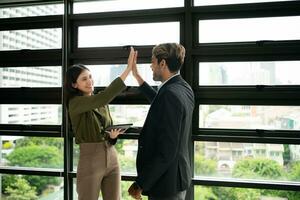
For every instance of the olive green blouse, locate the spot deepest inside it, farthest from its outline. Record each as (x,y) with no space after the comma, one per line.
(88,113)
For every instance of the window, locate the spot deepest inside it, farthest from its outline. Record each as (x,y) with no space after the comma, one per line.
(128,34)
(242,30)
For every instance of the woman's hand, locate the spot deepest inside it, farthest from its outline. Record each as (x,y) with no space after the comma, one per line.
(135,71)
(130,63)
(114,133)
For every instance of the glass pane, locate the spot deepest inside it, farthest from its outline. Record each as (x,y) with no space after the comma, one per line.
(37,152)
(226,193)
(251,29)
(249,73)
(30,11)
(128,34)
(103,75)
(249,117)
(224,2)
(127,151)
(30,77)
(30,39)
(30,187)
(31,114)
(247,160)
(123,114)
(120,5)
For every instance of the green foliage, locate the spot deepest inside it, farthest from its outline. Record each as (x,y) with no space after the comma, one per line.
(124,190)
(37,141)
(8,180)
(246,194)
(21,190)
(294,174)
(204,166)
(127,164)
(41,182)
(224,193)
(119,146)
(37,156)
(204,193)
(257,168)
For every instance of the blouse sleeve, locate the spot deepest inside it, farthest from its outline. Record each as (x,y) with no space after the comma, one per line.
(80,104)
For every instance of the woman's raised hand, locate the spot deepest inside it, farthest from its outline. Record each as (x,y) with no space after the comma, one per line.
(130,63)
(131,58)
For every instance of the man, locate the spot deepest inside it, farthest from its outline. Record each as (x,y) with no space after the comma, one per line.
(163,163)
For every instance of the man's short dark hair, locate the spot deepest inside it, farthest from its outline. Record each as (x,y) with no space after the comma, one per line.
(172,53)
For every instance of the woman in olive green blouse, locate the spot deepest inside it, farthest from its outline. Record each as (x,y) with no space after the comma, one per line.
(98,167)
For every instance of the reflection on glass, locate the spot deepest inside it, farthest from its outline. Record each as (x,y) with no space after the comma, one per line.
(120,5)
(224,2)
(249,73)
(31,114)
(30,39)
(249,117)
(36,152)
(233,193)
(123,114)
(128,34)
(103,75)
(31,187)
(30,77)
(249,29)
(247,160)
(30,11)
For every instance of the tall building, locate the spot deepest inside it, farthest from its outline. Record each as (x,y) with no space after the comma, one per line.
(29,76)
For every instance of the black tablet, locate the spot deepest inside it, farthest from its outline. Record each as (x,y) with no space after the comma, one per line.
(124,127)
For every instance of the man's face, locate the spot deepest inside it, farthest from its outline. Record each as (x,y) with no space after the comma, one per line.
(156,69)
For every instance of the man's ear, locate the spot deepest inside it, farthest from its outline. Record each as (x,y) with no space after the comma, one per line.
(163,63)
(74,85)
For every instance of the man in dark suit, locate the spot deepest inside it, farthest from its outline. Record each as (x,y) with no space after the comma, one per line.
(163,162)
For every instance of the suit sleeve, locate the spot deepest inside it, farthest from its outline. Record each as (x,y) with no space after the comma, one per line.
(148,91)
(167,144)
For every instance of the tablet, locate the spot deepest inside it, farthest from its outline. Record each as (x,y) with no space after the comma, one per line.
(124,127)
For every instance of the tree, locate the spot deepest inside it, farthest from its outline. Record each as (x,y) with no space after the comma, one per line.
(8,180)
(204,166)
(53,142)
(257,168)
(294,175)
(37,156)
(204,193)
(21,190)
(286,154)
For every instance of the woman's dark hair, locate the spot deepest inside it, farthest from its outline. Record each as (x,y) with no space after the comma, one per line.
(71,77)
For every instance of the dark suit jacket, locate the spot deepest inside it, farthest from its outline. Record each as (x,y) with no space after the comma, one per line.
(163,162)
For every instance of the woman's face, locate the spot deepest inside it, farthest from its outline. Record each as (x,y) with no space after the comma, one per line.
(85,83)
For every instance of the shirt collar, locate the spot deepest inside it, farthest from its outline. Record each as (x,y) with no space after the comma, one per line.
(163,83)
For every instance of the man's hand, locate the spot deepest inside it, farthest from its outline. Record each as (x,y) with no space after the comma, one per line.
(135,191)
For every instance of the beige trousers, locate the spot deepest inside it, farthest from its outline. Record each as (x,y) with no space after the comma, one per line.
(98,169)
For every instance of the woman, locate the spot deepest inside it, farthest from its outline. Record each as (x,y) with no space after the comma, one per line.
(98,167)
